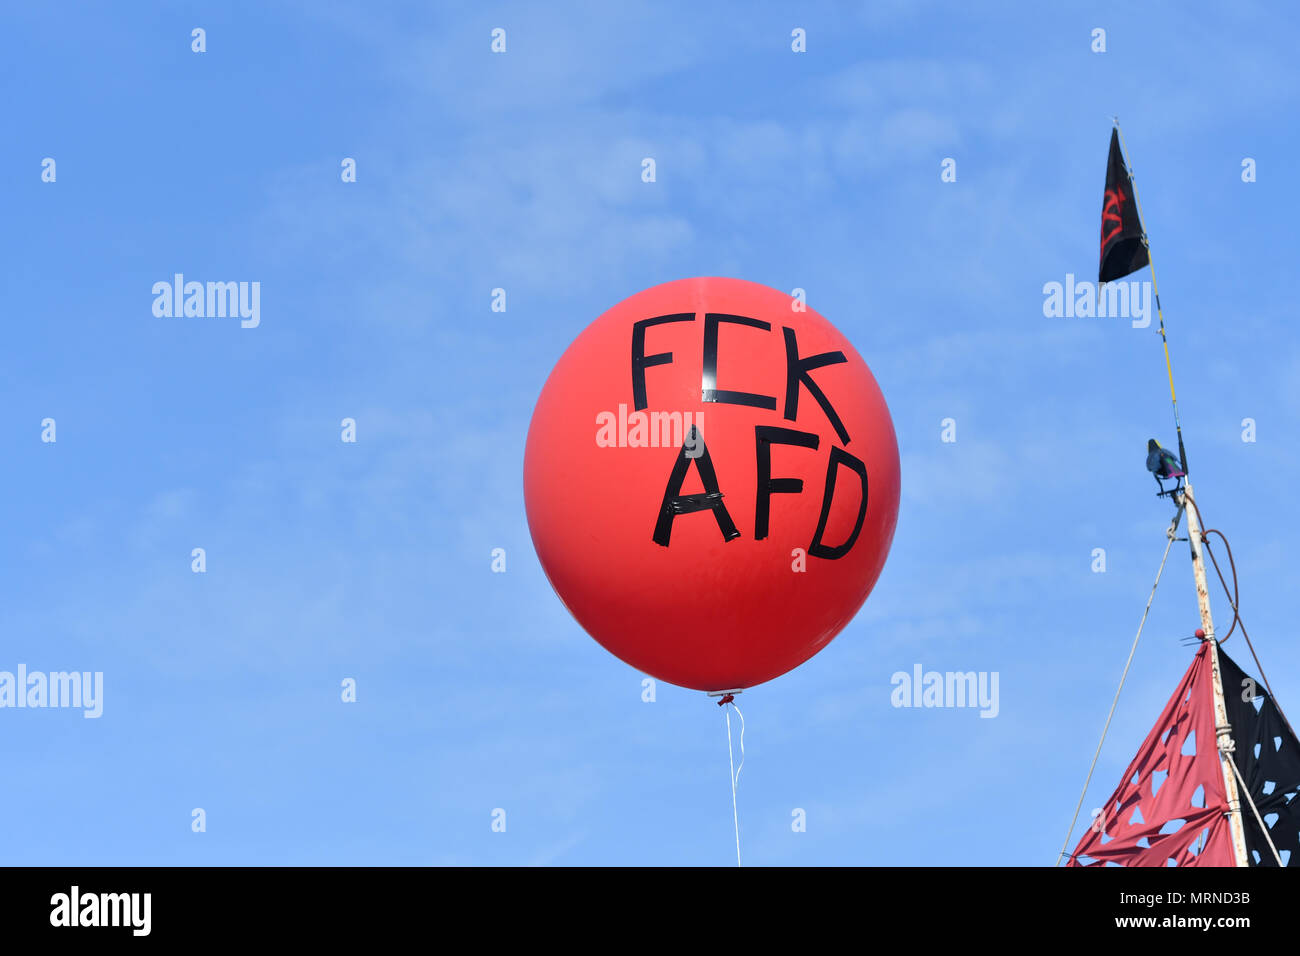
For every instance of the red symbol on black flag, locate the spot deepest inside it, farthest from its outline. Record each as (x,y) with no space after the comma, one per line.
(1112,218)
(1122,247)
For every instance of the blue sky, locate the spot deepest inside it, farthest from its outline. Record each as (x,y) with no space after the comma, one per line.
(372,560)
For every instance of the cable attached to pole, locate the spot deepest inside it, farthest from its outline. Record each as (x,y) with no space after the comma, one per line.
(1171,533)
(1233,597)
(1258,819)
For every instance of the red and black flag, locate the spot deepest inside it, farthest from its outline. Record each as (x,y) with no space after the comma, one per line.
(1122,248)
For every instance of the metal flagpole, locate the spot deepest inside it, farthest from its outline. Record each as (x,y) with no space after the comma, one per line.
(1222,730)
(1155,288)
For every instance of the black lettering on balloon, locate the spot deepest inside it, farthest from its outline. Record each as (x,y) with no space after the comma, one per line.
(796,373)
(764,437)
(709,385)
(838,457)
(641,361)
(678,504)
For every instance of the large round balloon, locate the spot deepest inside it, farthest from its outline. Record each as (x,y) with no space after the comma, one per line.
(711,481)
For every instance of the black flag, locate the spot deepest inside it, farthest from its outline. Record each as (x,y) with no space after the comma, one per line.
(1268,757)
(1122,248)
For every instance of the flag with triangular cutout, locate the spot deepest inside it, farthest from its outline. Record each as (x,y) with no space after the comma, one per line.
(1170,808)
(1268,756)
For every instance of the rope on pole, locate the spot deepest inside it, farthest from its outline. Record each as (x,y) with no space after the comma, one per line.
(1246,790)
(1173,529)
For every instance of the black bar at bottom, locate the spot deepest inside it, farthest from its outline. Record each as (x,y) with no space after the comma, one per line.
(561,906)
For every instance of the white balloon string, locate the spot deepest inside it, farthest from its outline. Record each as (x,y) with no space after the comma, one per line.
(735,771)
(742,741)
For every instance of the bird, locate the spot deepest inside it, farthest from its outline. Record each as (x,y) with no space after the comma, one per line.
(1162,463)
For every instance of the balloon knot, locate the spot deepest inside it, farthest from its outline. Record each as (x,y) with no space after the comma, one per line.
(726,700)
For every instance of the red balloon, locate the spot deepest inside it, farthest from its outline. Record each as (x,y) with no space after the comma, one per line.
(711,480)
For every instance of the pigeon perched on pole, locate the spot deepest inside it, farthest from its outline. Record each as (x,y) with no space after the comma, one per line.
(1163,463)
